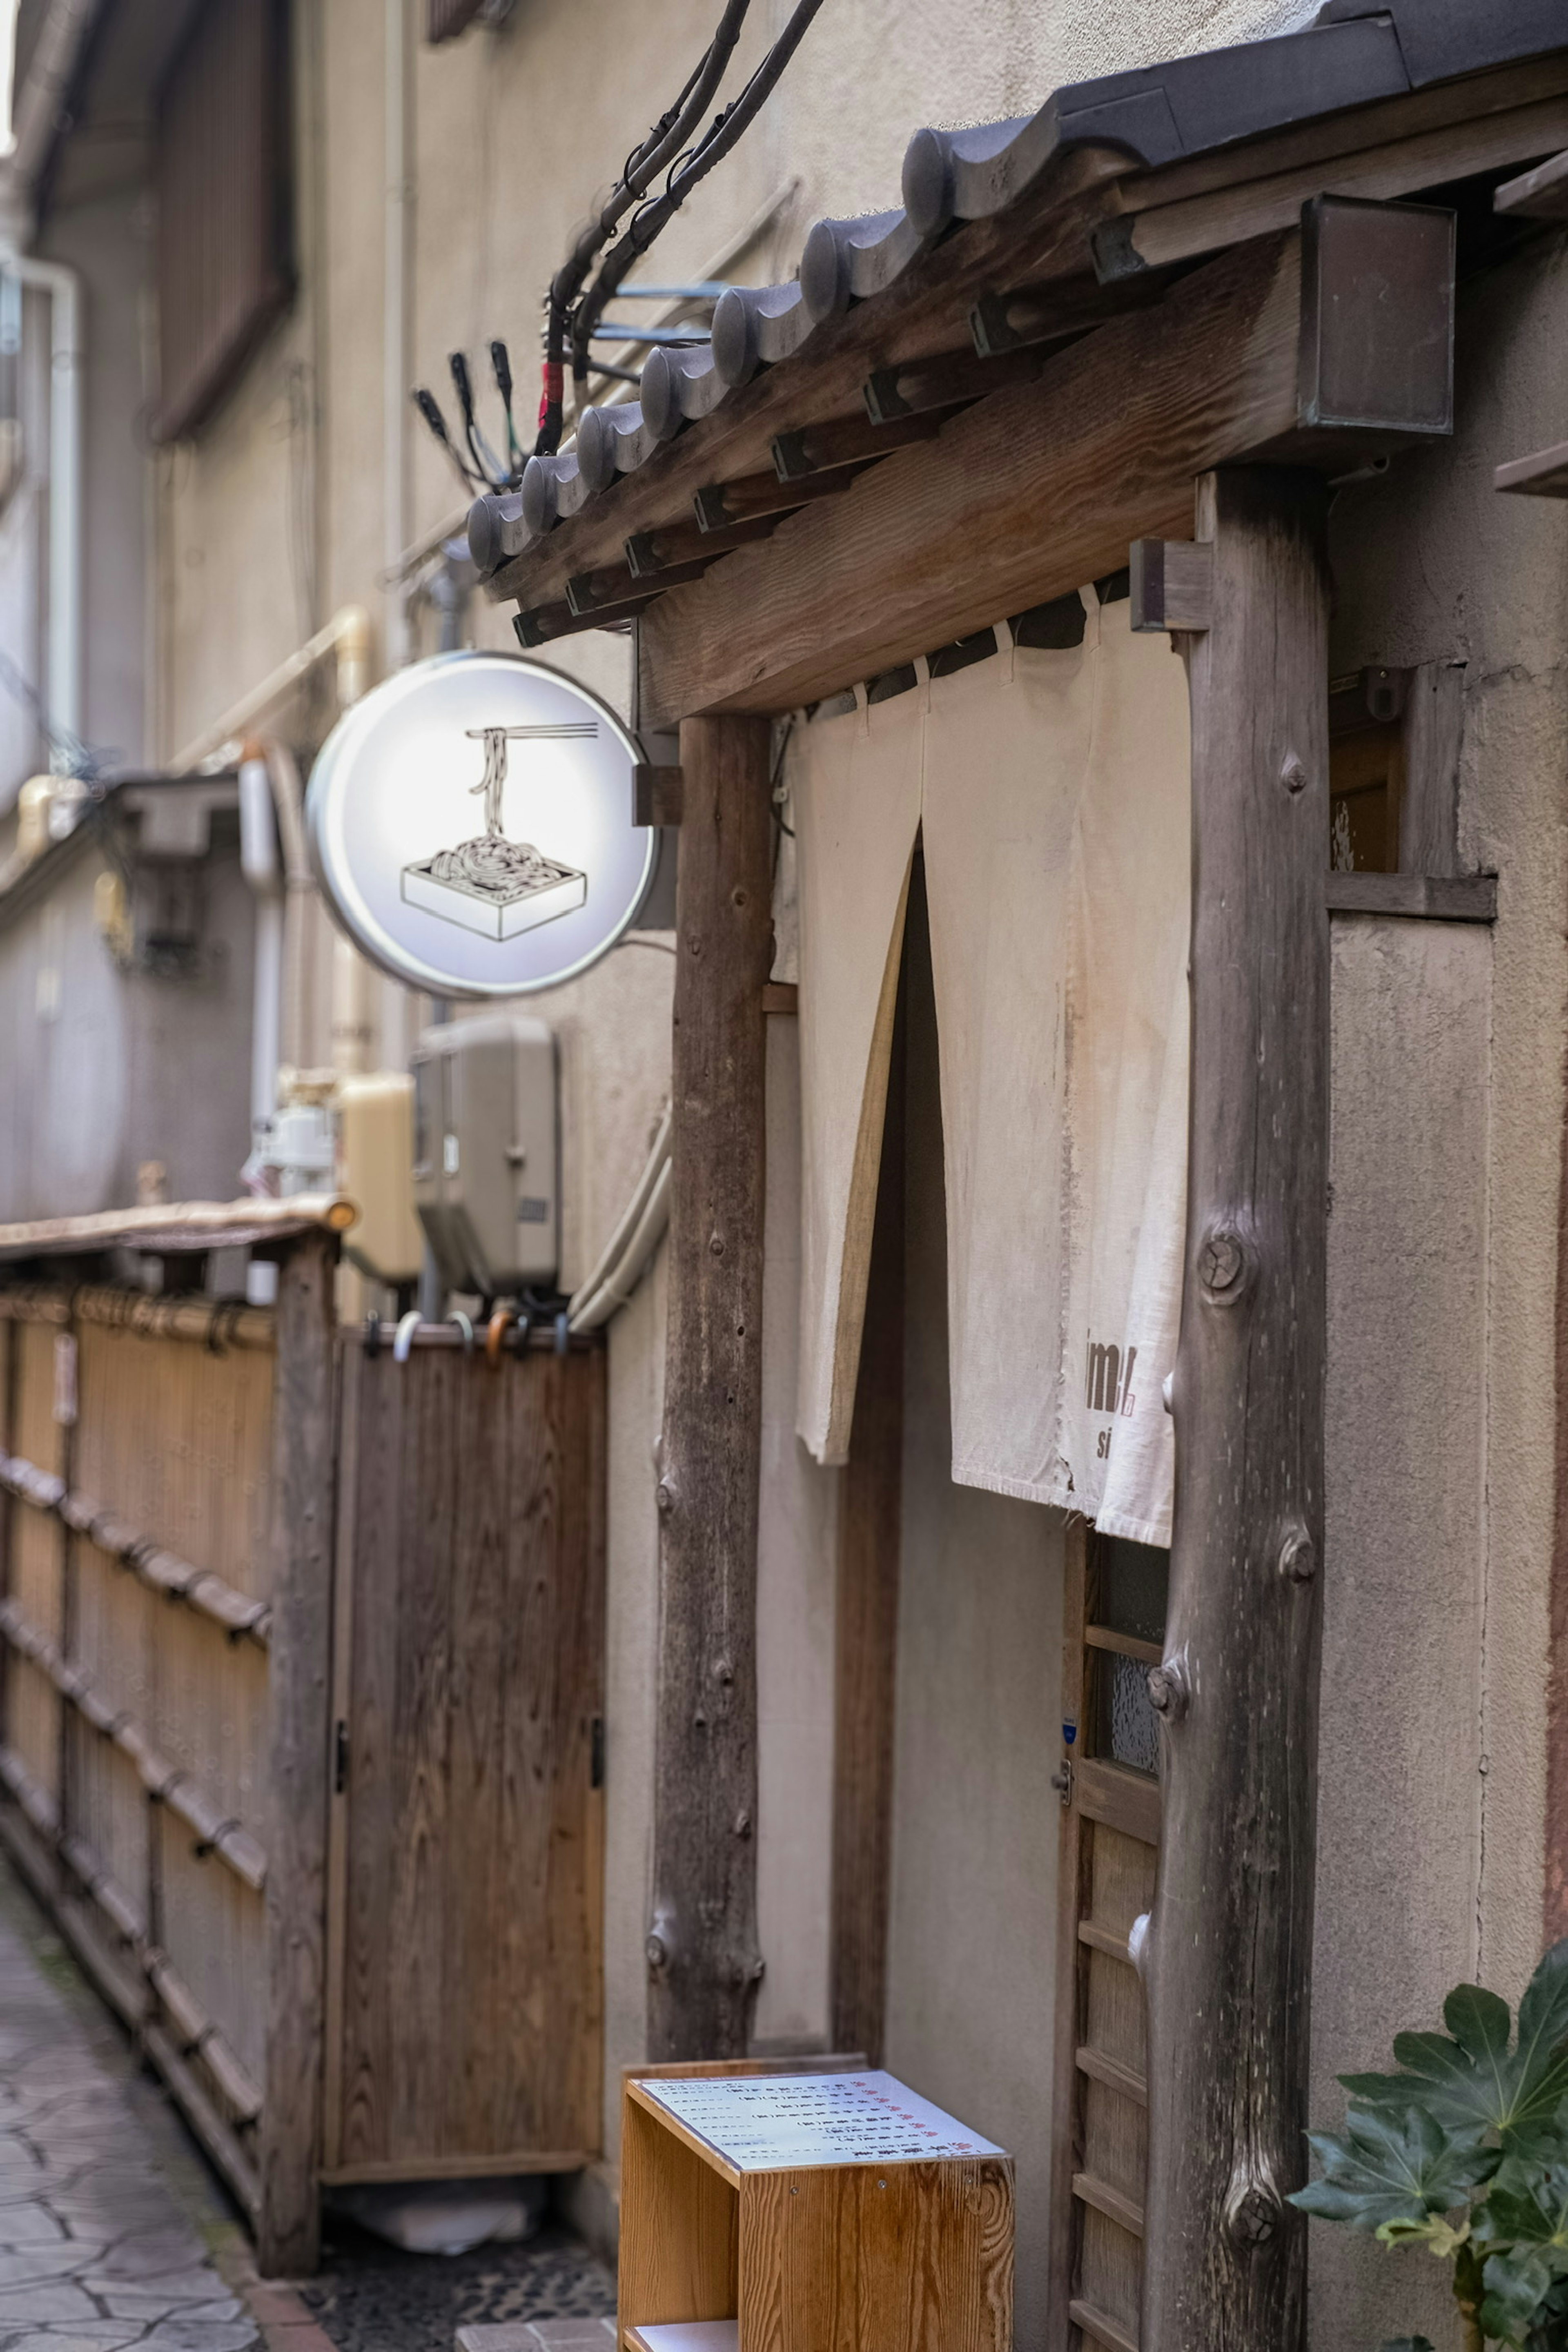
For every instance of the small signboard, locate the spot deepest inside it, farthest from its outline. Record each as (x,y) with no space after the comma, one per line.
(768,2122)
(517,893)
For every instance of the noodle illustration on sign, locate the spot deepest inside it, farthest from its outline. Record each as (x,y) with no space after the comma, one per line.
(491,885)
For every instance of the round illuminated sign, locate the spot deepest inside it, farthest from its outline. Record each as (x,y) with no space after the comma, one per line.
(472,825)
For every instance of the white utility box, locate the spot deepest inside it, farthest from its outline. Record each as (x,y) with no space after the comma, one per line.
(487,1177)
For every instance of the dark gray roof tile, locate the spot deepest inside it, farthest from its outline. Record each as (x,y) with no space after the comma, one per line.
(1354,55)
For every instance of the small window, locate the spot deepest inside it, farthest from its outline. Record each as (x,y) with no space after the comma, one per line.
(225,271)
(1366,770)
(1125,1626)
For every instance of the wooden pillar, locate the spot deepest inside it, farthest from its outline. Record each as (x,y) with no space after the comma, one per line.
(1228,1954)
(703,1961)
(304,1424)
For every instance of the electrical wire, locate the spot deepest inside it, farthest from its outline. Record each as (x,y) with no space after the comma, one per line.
(663,145)
(652,218)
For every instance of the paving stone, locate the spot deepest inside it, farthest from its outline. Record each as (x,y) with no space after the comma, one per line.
(85,2336)
(150,2252)
(20,2265)
(26,2222)
(200,2335)
(152,2299)
(30,2306)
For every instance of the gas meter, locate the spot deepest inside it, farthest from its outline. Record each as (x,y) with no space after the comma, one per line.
(487,1153)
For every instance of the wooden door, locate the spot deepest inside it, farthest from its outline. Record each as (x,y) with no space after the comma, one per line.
(1115,1618)
(464,1986)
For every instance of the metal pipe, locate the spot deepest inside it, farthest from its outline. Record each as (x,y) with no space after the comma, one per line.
(397,370)
(260,864)
(347,635)
(63,715)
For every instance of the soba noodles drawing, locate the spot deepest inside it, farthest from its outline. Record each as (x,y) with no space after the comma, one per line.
(491,884)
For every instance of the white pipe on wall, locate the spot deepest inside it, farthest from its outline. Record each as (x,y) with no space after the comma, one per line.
(260,864)
(63,665)
(396,369)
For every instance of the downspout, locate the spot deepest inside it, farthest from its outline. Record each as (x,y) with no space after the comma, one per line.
(260,864)
(396,370)
(63,669)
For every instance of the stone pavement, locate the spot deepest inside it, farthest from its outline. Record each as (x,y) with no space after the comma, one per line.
(113,2232)
(97,2250)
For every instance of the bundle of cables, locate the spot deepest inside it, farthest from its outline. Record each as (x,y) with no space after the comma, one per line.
(574,306)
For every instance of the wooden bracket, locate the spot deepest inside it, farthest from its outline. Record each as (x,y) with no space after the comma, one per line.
(1430,898)
(780,996)
(616,585)
(1545,476)
(657,794)
(1171,584)
(847,441)
(1539,194)
(721,506)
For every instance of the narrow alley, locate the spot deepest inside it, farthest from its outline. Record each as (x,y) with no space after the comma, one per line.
(113,2234)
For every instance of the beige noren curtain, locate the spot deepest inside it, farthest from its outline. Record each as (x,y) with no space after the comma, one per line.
(1050,790)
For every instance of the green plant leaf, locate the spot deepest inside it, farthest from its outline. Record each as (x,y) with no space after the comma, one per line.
(1389,2169)
(1544,2011)
(1517,2285)
(1527,2206)
(1473,2078)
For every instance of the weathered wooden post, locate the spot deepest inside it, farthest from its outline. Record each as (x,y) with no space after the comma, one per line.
(1228,1953)
(303,1440)
(703,1961)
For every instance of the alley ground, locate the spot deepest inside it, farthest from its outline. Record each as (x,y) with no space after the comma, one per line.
(113,2234)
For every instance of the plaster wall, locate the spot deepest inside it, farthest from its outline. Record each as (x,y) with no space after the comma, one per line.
(102,1069)
(1401,1739)
(1447,1122)
(971,1916)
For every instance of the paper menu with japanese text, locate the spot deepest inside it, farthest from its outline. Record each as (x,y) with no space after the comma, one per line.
(767,2122)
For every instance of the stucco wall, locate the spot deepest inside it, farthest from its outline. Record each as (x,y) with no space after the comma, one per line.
(101,1070)
(1447,1117)
(1399,1820)
(972,1919)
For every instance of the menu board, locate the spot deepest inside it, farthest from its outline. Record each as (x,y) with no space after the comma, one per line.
(767,2122)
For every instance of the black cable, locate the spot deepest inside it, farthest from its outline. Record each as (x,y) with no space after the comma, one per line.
(650,219)
(667,139)
(430,410)
(494,474)
(500,363)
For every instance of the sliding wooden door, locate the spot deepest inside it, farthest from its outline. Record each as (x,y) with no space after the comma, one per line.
(1109,1779)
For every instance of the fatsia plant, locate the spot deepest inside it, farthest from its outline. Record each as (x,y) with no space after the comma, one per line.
(1464,2151)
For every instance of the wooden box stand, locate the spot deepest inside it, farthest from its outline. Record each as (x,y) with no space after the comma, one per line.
(808,2212)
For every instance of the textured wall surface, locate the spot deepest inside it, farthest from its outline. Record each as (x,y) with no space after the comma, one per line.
(972,1923)
(1448,1118)
(100,1070)
(1399,1817)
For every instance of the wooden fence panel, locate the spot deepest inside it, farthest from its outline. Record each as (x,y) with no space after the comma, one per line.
(138,1564)
(465,2009)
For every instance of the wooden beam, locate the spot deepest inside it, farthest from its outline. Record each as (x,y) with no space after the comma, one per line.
(1228,1953)
(1429,897)
(703,1960)
(1543,476)
(1202,223)
(1429,791)
(303,1443)
(1539,194)
(655,794)
(1020,499)
(864,1656)
(1170,583)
